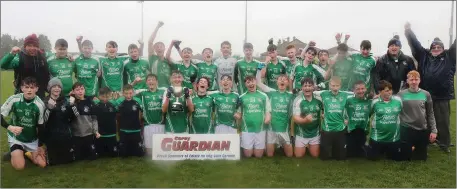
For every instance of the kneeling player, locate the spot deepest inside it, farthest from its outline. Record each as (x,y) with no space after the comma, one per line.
(385,126)
(278,131)
(202,117)
(106,143)
(254,112)
(151,101)
(177,107)
(225,104)
(28,110)
(130,141)
(307,112)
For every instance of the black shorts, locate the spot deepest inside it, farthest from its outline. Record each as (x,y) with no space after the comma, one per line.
(84,147)
(60,152)
(107,146)
(131,144)
(391,150)
(418,138)
(333,145)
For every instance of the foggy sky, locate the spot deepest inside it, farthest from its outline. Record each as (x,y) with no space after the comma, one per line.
(207,24)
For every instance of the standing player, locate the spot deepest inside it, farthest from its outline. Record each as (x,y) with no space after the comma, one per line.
(292,59)
(159,65)
(341,66)
(385,126)
(280,100)
(87,67)
(202,116)
(135,70)
(60,66)
(187,66)
(106,111)
(417,119)
(208,69)
(245,67)
(363,66)
(333,139)
(176,118)
(323,59)
(306,70)
(225,104)
(254,112)
(358,112)
(274,66)
(226,63)
(307,112)
(27,122)
(151,101)
(112,68)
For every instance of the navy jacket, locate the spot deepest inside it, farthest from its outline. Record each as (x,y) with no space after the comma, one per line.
(437,73)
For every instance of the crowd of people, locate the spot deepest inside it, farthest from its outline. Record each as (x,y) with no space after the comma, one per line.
(118,103)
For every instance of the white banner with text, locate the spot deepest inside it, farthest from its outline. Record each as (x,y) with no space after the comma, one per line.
(196,147)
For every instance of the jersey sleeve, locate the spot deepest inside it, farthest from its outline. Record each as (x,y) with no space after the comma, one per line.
(267,104)
(296,106)
(261,85)
(317,94)
(8,105)
(9,61)
(40,105)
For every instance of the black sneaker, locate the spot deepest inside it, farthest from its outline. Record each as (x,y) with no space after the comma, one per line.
(6,156)
(451,145)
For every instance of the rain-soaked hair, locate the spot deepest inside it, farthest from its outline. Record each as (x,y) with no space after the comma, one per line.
(203,51)
(226,76)
(248,46)
(307,80)
(365,44)
(112,43)
(271,47)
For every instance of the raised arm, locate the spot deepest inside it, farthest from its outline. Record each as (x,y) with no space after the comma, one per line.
(168,55)
(260,84)
(152,38)
(10,60)
(303,52)
(417,50)
(338,38)
(80,46)
(141,42)
(452,52)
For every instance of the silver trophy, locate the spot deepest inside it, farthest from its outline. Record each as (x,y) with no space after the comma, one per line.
(177,106)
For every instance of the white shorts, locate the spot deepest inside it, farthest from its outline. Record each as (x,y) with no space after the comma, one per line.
(301,142)
(29,147)
(253,140)
(280,138)
(149,131)
(224,129)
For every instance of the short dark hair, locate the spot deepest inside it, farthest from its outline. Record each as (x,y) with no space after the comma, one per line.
(104,91)
(187,49)
(127,87)
(29,81)
(61,43)
(312,49)
(249,78)
(383,84)
(248,46)
(322,51)
(132,46)
(207,49)
(175,72)
(112,43)
(76,85)
(226,43)
(227,76)
(271,47)
(151,75)
(365,44)
(282,75)
(87,43)
(207,80)
(307,80)
(359,82)
(343,47)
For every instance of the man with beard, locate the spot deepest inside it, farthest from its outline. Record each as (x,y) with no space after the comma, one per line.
(225,104)
(226,63)
(159,65)
(187,66)
(437,69)
(245,67)
(87,67)
(393,66)
(202,122)
(208,69)
(28,62)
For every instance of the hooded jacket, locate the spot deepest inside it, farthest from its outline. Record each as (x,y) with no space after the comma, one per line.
(393,70)
(57,120)
(437,73)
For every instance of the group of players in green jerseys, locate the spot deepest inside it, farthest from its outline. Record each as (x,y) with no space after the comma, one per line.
(328,108)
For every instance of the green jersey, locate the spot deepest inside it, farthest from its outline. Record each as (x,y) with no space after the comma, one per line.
(358,112)
(290,66)
(86,73)
(333,109)
(242,70)
(202,122)
(273,71)
(151,103)
(26,114)
(176,122)
(189,73)
(324,67)
(253,107)
(210,71)
(280,108)
(303,107)
(343,69)
(133,69)
(309,71)
(162,69)
(225,108)
(362,69)
(385,126)
(112,72)
(62,68)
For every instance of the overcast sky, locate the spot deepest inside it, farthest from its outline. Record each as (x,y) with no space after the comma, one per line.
(207,24)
